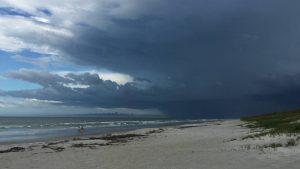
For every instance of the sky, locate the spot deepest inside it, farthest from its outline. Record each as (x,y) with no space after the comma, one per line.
(192,58)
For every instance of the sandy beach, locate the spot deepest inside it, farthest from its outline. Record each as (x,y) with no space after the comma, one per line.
(213,145)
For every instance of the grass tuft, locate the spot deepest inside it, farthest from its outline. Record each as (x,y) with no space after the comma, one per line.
(291,142)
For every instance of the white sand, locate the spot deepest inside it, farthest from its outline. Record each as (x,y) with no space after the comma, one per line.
(206,146)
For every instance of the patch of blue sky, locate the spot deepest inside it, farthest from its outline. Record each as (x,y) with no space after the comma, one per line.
(45,11)
(29,53)
(53,66)
(14,12)
(7,63)
(8,84)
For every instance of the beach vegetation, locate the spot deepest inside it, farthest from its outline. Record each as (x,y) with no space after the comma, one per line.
(276,123)
(291,142)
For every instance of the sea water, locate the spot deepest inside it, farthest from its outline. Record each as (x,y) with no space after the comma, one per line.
(34,128)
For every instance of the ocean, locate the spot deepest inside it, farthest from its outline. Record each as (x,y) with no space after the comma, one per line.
(35,128)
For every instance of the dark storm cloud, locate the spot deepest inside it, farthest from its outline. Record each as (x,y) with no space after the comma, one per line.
(280,89)
(198,44)
(200,56)
(212,49)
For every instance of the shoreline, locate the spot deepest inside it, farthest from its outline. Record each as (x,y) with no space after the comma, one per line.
(199,145)
(46,139)
(25,143)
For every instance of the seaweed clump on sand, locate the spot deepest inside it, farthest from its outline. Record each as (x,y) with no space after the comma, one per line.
(121,138)
(13,149)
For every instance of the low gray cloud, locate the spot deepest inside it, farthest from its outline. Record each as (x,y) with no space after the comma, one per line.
(88,90)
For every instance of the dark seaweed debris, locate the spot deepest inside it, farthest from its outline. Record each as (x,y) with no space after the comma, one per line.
(13,149)
(54,148)
(185,127)
(52,145)
(154,131)
(93,145)
(122,138)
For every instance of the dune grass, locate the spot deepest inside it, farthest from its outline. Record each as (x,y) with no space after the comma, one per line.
(277,122)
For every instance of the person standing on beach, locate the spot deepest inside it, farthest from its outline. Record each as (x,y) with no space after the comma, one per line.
(81,130)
